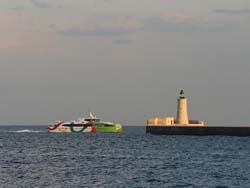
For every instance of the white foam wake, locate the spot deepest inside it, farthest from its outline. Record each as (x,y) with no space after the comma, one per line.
(27,131)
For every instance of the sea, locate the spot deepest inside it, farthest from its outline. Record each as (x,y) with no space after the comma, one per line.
(32,157)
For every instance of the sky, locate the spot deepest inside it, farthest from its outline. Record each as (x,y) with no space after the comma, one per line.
(125,61)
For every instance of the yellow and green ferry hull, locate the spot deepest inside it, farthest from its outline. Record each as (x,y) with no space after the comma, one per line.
(117,128)
(93,127)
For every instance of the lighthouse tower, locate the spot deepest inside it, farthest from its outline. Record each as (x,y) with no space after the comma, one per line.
(182,115)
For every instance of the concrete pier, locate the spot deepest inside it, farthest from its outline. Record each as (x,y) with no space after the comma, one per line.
(199,130)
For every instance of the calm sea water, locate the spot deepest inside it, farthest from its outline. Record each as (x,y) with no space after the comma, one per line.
(31,157)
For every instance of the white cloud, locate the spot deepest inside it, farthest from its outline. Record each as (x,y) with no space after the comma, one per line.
(40,4)
(103,27)
(232,11)
(175,17)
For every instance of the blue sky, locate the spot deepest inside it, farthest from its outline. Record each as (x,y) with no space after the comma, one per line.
(124,60)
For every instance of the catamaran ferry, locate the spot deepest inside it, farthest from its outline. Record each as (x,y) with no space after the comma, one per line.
(91,124)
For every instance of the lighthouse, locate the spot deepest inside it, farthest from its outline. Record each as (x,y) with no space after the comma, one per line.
(181,118)
(182,115)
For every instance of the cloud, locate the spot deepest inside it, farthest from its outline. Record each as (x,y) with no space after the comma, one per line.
(170,23)
(75,31)
(104,27)
(165,22)
(162,23)
(127,23)
(232,11)
(17,9)
(177,17)
(40,4)
(121,41)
